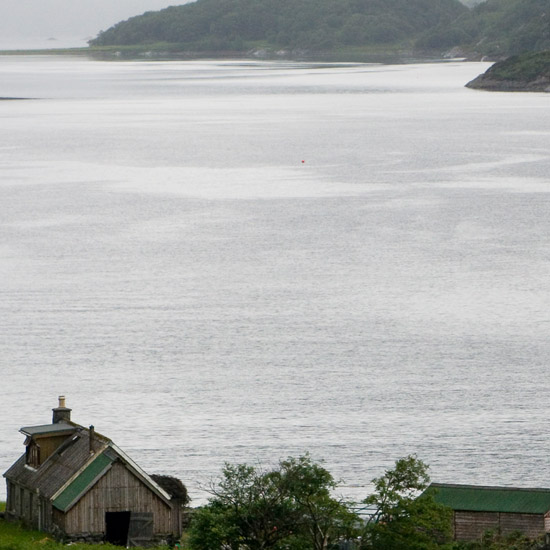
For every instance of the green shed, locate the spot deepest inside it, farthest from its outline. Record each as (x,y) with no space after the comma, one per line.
(478,509)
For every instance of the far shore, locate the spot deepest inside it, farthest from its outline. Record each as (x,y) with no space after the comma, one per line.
(175,52)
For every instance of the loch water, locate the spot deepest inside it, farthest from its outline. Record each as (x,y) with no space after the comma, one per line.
(227,261)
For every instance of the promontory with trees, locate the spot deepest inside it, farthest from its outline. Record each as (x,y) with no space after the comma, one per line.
(337,29)
(285,27)
(528,72)
(349,30)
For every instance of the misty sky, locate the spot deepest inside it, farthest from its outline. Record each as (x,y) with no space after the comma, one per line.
(30,23)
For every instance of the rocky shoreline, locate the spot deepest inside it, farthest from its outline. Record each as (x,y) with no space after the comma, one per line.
(485,82)
(529,72)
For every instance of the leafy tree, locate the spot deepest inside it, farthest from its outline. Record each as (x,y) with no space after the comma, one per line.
(211,529)
(289,506)
(401,520)
(323,518)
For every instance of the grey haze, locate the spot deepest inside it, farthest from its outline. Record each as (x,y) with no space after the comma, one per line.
(25,23)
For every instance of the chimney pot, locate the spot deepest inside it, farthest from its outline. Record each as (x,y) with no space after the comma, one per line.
(61,413)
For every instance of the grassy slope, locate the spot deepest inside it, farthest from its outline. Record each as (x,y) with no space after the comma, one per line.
(15,537)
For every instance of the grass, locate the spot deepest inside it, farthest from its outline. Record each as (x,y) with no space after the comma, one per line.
(58,51)
(13,536)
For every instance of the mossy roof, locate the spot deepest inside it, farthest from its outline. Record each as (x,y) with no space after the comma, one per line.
(491,499)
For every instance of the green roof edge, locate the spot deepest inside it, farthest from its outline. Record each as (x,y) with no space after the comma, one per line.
(83,482)
(491,499)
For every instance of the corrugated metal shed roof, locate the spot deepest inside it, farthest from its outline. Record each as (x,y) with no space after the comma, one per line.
(491,499)
(83,481)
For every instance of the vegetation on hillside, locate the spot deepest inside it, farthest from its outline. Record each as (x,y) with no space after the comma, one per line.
(525,68)
(525,72)
(493,28)
(496,28)
(312,25)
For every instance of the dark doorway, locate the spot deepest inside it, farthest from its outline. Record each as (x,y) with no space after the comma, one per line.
(116,527)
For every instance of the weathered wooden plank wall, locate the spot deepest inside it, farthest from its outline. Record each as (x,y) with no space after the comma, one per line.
(472,525)
(117,491)
(530,524)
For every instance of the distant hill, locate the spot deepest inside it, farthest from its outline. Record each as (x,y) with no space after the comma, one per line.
(290,25)
(529,72)
(495,28)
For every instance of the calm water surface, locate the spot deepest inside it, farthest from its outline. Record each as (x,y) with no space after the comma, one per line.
(223,261)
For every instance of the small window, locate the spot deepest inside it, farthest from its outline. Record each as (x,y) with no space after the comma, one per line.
(33,454)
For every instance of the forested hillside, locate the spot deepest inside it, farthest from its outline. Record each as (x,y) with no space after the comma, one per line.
(493,28)
(311,25)
(496,28)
